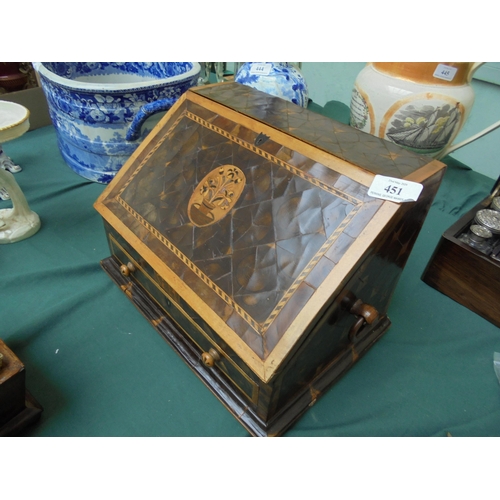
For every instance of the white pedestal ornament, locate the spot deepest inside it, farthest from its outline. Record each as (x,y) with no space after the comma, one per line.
(19,222)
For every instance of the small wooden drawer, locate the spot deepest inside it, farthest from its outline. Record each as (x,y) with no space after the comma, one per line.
(136,270)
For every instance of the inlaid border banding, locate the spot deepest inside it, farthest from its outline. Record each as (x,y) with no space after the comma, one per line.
(260,328)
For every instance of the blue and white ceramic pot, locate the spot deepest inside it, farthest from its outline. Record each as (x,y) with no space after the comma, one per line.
(280,79)
(103,111)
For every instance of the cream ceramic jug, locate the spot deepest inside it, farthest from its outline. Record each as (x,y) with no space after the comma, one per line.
(419,106)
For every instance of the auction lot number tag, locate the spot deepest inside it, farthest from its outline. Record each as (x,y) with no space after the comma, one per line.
(261,68)
(393,189)
(444,72)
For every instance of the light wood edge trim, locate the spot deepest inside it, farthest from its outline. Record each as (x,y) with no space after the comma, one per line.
(251,359)
(130,163)
(422,174)
(329,160)
(325,291)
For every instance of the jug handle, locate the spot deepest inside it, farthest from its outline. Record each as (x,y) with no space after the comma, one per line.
(454,147)
(144,113)
(473,69)
(485,131)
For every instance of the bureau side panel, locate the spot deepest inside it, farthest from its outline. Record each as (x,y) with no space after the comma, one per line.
(373,281)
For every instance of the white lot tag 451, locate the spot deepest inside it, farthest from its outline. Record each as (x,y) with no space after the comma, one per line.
(393,189)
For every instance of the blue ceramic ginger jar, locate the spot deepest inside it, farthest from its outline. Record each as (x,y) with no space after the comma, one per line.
(280,79)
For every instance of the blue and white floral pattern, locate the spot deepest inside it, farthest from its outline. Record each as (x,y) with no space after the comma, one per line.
(280,79)
(88,72)
(98,122)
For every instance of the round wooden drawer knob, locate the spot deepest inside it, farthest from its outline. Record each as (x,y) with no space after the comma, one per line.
(365,313)
(126,269)
(209,358)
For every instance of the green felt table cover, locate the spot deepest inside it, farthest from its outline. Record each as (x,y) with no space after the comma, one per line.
(99,369)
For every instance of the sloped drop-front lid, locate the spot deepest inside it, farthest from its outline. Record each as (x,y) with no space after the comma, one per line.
(254,229)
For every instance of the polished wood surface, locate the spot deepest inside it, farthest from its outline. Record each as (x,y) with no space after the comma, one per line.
(247,221)
(348,148)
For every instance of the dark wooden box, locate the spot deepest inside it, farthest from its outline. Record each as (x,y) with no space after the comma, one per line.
(18,408)
(242,229)
(463,273)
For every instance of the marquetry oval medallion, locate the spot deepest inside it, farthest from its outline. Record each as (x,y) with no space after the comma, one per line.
(216,195)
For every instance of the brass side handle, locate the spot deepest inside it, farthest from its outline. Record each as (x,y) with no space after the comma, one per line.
(210,358)
(126,269)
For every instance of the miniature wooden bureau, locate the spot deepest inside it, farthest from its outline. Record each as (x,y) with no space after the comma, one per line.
(242,229)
